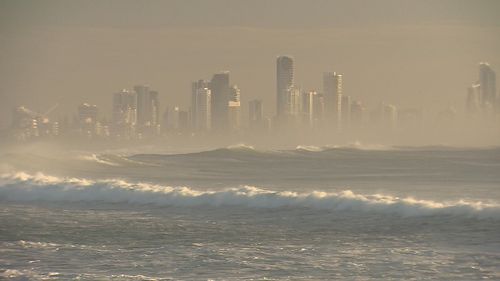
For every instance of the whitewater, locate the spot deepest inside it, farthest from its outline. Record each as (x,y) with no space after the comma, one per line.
(351,212)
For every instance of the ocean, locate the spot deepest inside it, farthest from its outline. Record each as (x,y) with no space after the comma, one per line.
(350,212)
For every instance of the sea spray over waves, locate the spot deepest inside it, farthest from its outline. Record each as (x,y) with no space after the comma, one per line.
(97,159)
(23,187)
(241,146)
(310,148)
(350,146)
(243,151)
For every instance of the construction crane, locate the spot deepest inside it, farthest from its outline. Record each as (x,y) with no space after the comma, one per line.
(50,110)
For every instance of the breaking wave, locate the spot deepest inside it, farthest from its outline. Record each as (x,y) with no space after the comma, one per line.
(243,151)
(23,187)
(97,159)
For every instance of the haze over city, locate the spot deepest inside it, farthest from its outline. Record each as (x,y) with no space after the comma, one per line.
(418,55)
(249,140)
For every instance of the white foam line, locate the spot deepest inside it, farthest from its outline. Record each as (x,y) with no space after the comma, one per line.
(24,187)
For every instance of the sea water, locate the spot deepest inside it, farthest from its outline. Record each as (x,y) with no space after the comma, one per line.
(243,213)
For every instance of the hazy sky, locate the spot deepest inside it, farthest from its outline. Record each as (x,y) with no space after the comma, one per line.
(409,53)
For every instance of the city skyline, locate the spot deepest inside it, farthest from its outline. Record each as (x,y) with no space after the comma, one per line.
(215,109)
(249,140)
(385,56)
(486,74)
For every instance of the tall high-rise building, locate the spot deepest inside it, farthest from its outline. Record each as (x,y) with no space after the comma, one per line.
(124,113)
(171,119)
(255,114)
(124,107)
(143,110)
(219,87)
(155,108)
(203,110)
(234,106)
(295,103)
(87,119)
(87,113)
(332,91)
(318,108)
(284,85)
(148,109)
(195,86)
(346,111)
(308,106)
(175,120)
(487,80)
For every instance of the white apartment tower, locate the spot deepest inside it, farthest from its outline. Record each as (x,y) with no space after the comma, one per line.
(203,110)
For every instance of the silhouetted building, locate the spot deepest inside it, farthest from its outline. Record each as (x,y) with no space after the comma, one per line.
(487,80)
(284,84)
(219,87)
(308,108)
(234,108)
(171,119)
(294,109)
(312,108)
(200,84)
(332,91)
(318,108)
(87,119)
(124,114)
(148,110)
(255,114)
(346,111)
(203,110)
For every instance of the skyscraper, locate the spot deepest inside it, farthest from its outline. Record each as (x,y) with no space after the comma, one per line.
(219,87)
(255,114)
(124,113)
(318,108)
(284,84)
(200,84)
(155,108)
(346,111)
(143,110)
(87,119)
(295,103)
(332,91)
(312,108)
(308,108)
(234,106)
(148,109)
(203,110)
(171,119)
(487,80)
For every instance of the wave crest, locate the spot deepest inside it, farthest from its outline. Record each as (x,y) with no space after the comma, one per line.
(40,187)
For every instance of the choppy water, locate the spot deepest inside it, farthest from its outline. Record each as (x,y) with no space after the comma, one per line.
(239,213)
